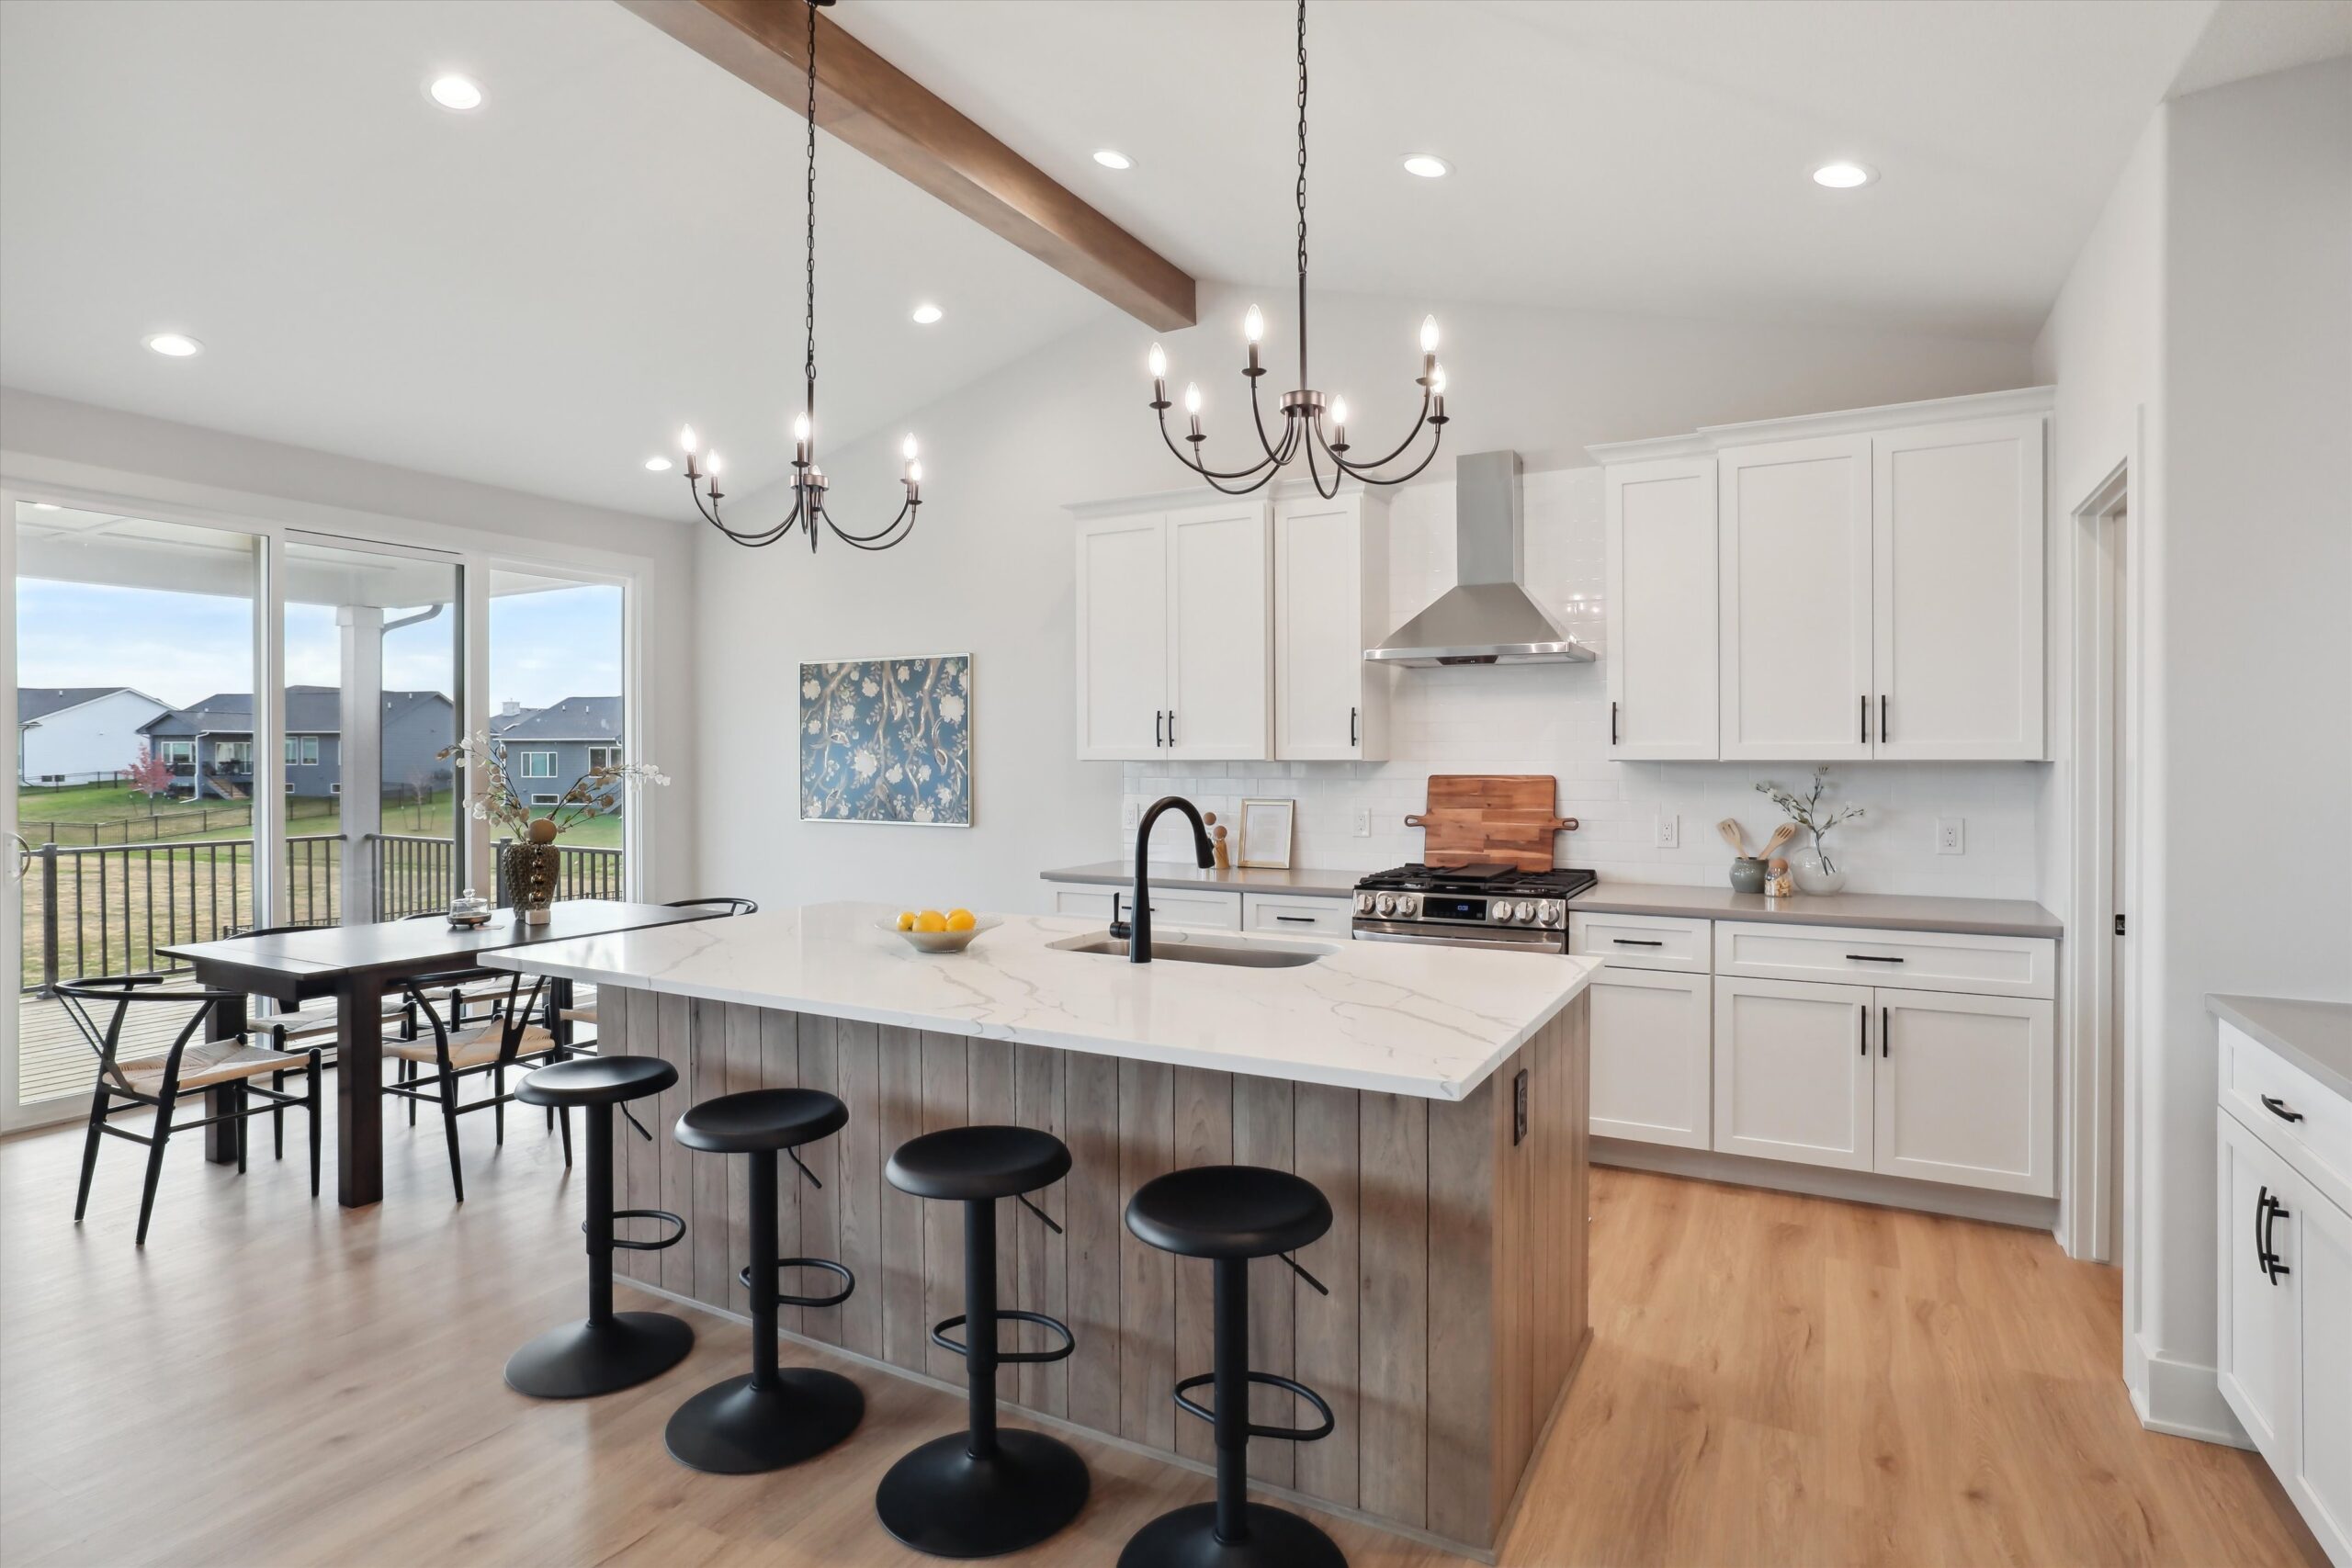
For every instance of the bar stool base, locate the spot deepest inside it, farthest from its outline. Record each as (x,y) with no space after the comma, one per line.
(942,1501)
(1187,1538)
(735,1429)
(584,1358)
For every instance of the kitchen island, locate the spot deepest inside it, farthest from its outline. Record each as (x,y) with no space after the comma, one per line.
(1436,1095)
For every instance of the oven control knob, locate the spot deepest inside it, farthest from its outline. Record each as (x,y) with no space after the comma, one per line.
(1387,905)
(1502,911)
(1549,914)
(1408,905)
(1527,912)
(1364,903)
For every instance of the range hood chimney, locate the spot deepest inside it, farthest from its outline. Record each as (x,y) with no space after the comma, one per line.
(1485,617)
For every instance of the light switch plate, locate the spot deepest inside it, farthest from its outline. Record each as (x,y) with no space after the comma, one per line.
(1950,839)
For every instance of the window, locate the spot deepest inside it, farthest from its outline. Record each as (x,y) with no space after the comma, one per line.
(604,757)
(335,788)
(176,753)
(539,764)
(290,786)
(545,798)
(236,754)
(302,750)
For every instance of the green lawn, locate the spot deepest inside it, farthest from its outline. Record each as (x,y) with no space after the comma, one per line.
(84,815)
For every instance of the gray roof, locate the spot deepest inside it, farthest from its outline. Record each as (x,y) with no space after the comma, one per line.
(310,710)
(593,720)
(40,702)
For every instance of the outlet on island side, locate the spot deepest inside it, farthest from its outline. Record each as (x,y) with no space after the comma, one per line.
(1948,839)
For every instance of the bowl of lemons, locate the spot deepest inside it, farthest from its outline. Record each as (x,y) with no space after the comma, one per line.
(930,931)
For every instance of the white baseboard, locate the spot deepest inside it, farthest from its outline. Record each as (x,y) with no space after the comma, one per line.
(2180,1398)
(1820,1182)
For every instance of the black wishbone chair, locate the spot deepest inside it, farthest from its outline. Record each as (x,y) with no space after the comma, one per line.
(191,1063)
(434,1068)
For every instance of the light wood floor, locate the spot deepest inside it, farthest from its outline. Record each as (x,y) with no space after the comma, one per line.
(1772,1380)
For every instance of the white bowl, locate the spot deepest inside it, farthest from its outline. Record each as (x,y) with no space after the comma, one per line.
(943,942)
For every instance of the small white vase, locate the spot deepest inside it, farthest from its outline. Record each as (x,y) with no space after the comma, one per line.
(1816,872)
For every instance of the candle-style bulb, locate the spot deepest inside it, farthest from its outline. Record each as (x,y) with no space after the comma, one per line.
(906,448)
(800,427)
(1437,380)
(914,473)
(1429,335)
(1339,413)
(1253,326)
(715,464)
(1159,362)
(1192,397)
(687,438)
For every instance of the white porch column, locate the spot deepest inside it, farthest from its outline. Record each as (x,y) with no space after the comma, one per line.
(360,753)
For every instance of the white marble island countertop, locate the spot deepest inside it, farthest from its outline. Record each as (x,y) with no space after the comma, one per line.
(1395,1018)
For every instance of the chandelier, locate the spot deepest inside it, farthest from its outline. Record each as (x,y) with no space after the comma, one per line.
(809,482)
(1309,423)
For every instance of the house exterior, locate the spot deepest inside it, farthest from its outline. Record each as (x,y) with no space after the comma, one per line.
(78,734)
(548,748)
(210,746)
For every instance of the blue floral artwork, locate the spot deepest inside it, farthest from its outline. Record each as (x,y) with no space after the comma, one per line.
(888,740)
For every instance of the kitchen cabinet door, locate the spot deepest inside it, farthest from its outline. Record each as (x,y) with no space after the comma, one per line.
(1122,642)
(1330,577)
(1216,633)
(1793,599)
(1793,1071)
(1966,1089)
(2321,1477)
(2257,1327)
(1652,1051)
(1660,523)
(1956,560)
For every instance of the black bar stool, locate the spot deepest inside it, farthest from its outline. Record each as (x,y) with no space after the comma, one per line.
(777,1415)
(1232,1213)
(982,1493)
(607,1349)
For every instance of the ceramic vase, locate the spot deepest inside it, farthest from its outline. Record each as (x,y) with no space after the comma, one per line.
(530,875)
(1816,872)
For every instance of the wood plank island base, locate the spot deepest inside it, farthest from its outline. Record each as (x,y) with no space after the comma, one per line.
(1457,1264)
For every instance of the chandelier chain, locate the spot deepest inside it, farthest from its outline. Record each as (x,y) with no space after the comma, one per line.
(1302,193)
(808,319)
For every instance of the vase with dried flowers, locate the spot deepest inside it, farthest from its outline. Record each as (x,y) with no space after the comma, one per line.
(529,860)
(1812,869)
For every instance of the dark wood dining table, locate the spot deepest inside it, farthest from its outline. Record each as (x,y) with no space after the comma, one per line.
(356,964)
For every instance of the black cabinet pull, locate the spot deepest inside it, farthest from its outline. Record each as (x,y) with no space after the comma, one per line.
(2261,1211)
(1882,1033)
(1297,920)
(1881,718)
(1865,700)
(1636,941)
(1172,726)
(2277,1107)
(1352,738)
(1872,958)
(2270,1263)
(1613,723)
(1862,1031)
(1158,718)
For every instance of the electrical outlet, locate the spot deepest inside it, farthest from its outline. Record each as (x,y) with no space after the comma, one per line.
(1948,838)
(1130,814)
(1363,824)
(1669,831)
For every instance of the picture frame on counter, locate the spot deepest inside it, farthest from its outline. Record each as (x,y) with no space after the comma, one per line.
(1265,834)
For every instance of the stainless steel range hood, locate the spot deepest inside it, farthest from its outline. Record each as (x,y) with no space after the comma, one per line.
(1485,617)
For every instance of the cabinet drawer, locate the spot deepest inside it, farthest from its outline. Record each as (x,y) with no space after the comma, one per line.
(1295,916)
(1203,910)
(1919,961)
(2264,1090)
(1640,942)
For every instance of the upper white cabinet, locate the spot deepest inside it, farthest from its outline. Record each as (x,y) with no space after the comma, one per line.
(1660,518)
(1330,602)
(1874,578)
(1171,613)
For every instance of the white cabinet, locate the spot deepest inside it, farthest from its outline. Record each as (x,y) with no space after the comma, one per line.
(1956,604)
(1793,1071)
(1652,1054)
(1171,614)
(1965,1091)
(1208,910)
(2321,1475)
(1289,914)
(1331,602)
(2257,1337)
(1793,599)
(1660,523)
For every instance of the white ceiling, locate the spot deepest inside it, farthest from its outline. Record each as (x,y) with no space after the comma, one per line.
(536,294)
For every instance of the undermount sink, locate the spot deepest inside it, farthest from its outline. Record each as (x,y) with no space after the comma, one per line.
(1178,947)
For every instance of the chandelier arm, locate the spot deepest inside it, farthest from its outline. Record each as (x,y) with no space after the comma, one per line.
(753,538)
(1194,463)
(1410,436)
(1258,418)
(1266,472)
(1314,474)
(1364,473)
(865,541)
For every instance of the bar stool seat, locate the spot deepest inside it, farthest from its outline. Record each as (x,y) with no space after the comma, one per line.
(606,1350)
(961,1164)
(1231,1214)
(761,1118)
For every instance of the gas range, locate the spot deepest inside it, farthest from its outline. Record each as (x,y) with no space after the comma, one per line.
(1473,906)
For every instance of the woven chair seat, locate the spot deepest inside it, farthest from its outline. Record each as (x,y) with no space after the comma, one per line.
(471,1046)
(207,1062)
(580,1015)
(314,1022)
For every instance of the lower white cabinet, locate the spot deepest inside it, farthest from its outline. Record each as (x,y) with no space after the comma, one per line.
(1297,914)
(1206,910)
(1652,1080)
(2257,1326)
(2321,1475)
(1793,1071)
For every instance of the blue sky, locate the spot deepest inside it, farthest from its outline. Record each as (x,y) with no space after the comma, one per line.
(178,648)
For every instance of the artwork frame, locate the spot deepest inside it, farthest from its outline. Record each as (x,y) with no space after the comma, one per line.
(1266,834)
(887,741)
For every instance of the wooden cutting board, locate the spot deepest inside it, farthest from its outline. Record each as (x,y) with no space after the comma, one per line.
(1503,818)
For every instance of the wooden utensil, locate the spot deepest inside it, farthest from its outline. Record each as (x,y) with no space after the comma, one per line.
(1734,836)
(1500,818)
(1780,835)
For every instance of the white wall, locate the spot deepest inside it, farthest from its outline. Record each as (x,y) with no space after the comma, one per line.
(67,447)
(988,571)
(97,736)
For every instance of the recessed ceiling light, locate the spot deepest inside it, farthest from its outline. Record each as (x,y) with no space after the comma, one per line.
(173,346)
(657,464)
(1428,165)
(454,92)
(1110,158)
(1842,175)
(925,314)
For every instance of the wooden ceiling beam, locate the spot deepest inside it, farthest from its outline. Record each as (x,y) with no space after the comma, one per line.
(873,106)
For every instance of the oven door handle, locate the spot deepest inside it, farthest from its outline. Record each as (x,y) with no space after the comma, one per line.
(1544,944)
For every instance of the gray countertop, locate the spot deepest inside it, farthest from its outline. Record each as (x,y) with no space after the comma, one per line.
(2315,1036)
(1875,911)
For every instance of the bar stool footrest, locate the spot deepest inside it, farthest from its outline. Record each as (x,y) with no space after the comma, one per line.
(849,1284)
(672,1239)
(1011,1358)
(1285,1434)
